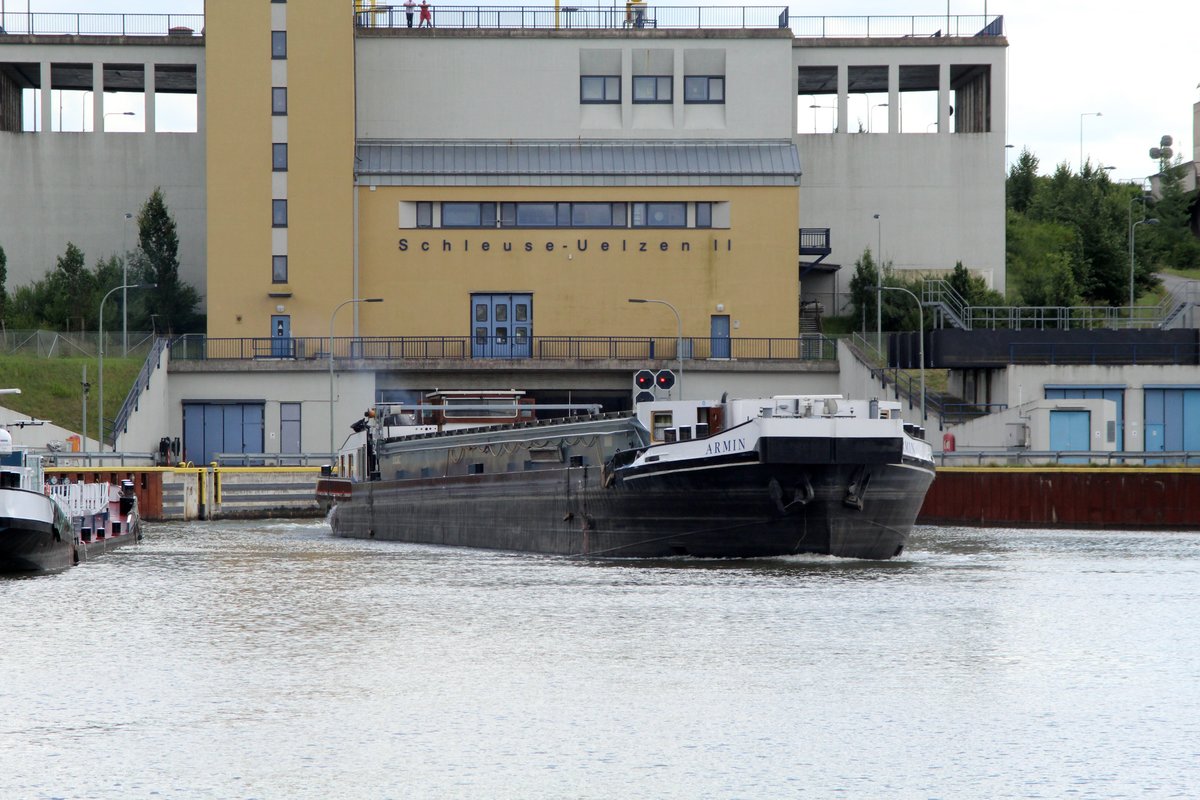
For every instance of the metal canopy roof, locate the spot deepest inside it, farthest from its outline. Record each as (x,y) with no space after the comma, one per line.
(574,163)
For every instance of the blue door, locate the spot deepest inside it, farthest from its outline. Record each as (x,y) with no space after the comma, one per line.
(1070,431)
(720,335)
(282,345)
(501,325)
(211,428)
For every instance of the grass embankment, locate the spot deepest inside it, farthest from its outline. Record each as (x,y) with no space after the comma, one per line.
(51,390)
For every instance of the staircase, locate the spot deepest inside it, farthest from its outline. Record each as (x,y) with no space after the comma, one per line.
(810,316)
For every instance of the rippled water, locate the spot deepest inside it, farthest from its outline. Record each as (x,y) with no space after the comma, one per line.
(268,660)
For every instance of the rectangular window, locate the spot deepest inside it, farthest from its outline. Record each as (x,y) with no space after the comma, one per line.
(468,215)
(600,89)
(279,213)
(279,157)
(537,215)
(703,215)
(659,215)
(278,100)
(424,215)
(652,88)
(279,269)
(278,44)
(592,215)
(704,89)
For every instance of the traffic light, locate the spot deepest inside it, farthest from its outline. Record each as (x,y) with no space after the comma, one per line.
(643,386)
(664,380)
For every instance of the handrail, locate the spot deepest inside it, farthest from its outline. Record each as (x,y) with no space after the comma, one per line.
(931,26)
(580,16)
(143,379)
(41,23)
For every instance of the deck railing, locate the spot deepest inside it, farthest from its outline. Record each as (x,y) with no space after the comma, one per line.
(91,24)
(809,347)
(932,27)
(577,17)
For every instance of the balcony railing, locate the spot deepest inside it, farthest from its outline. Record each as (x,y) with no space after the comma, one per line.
(809,347)
(578,17)
(51,24)
(932,27)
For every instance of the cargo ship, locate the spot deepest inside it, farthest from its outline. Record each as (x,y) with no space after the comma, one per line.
(49,527)
(732,478)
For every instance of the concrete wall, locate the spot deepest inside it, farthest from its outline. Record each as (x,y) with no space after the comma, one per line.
(77,187)
(151,419)
(1028,427)
(526,84)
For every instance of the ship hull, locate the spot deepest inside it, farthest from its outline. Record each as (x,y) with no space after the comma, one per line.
(35,536)
(724,509)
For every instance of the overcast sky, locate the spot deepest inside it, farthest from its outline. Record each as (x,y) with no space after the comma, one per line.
(1135,63)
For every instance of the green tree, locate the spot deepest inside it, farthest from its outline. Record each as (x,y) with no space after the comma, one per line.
(1171,243)
(172,301)
(1022,182)
(69,291)
(3,285)
(972,288)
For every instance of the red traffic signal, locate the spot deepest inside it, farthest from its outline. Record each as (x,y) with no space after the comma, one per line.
(665,379)
(643,379)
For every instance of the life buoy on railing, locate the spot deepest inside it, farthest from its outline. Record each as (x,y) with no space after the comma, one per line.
(948,442)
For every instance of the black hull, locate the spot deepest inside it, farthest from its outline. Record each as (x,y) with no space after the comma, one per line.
(731,510)
(27,546)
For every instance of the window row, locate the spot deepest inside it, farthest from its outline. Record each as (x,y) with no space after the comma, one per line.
(564,215)
(652,89)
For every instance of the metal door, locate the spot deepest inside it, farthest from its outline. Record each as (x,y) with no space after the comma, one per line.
(281,336)
(720,335)
(1070,431)
(501,325)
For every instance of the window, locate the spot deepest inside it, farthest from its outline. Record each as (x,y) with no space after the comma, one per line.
(279,269)
(279,157)
(278,100)
(659,215)
(468,215)
(597,215)
(703,215)
(562,215)
(652,88)
(279,213)
(537,215)
(278,44)
(424,215)
(600,89)
(704,89)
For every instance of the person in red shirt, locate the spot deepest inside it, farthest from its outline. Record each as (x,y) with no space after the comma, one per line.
(426,16)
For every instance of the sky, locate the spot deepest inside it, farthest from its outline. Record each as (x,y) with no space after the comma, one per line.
(1135,63)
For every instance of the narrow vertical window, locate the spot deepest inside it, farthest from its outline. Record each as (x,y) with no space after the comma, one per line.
(703,215)
(278,44)
(279,217)
(279,100)
(279,157)
(424,215)
(279,269)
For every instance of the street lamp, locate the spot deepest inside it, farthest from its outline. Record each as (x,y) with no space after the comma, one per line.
(333,453)
(1081,116)
(1143,198)
(878,285)
(678,336)
(1132,240)
(125,279)
(832,116)
(100,414)
(920,338)
(116,114)
(871,116)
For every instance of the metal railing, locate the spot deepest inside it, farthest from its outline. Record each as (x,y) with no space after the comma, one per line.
(1109,458)
(933,27)
(576,17)
(808,347)
(135,391)
(90,24)
(1103,353)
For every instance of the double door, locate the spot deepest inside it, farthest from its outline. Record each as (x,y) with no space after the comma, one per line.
(501,325)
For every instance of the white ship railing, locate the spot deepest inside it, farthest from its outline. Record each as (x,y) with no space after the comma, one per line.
(80,499)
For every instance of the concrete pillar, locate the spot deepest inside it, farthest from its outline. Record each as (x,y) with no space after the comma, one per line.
(149,98)
(944,99)
(201,116)
(893,98)
(843,97)
(46,104)
(97,97)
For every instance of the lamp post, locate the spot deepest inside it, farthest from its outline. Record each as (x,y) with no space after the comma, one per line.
(1132,250)
(920,338)
(678,335)
(100,413)
(1081,116)
(125,279)
(332,452)
(1144,198)
(878,284)
(814,107)
(116,114)
(871,116)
